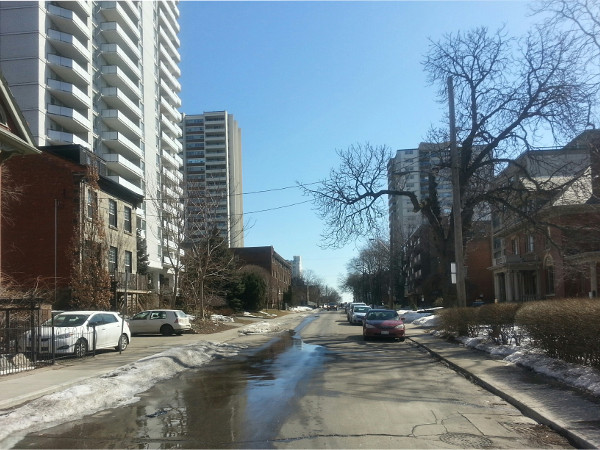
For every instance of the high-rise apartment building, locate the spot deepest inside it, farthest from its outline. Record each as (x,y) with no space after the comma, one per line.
(410,170)
(103,74)
(212,161)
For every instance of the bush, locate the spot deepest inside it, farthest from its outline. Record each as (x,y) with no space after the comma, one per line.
(500,321)
(459,321)
(567,329)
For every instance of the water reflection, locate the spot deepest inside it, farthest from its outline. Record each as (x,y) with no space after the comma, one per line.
(238,402)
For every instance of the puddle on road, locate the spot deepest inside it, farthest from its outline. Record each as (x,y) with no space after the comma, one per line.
(238,402)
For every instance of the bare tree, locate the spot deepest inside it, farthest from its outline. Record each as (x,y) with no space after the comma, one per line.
(208,260)
(90,279)
(508,92)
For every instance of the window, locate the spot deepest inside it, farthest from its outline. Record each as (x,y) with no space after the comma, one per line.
(112,259)
(128,262)
(530,243)
(127,219)
(549,270)
(92,203)
(112,213)
(515,246)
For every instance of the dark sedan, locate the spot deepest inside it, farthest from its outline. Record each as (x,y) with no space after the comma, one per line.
(383,323)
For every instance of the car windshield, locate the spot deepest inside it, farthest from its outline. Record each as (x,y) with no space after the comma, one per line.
(382,315)
(67,320)
(361,308)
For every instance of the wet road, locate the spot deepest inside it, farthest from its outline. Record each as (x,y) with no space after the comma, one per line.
(322,387)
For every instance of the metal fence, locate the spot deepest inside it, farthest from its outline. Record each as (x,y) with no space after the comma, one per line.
(25,343)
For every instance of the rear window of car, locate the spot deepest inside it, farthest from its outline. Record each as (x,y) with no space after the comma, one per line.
(181,314)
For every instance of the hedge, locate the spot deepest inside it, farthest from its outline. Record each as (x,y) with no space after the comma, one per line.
(567,329)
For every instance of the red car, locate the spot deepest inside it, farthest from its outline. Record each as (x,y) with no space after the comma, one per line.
(383,323)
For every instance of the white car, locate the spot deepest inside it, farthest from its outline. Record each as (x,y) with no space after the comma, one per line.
(78,332)
(163,321)
(358,313)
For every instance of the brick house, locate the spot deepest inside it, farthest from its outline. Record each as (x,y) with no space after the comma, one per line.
(556,254)
(37,242)
(15,138)
(279,270)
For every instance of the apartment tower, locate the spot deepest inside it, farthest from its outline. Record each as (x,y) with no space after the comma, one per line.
(103,74)
(212,162)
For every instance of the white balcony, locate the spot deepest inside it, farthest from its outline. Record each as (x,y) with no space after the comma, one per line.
(116,56)
(168,109)
(175,177)
(116,98)
(69,118)
(171,64)
(164,39)
(169,93)
(127,184)
(169,30)
(117,77)
(131,9)
(121,123)
(69,94)
(115,12)
(62,137)
(68,21)
(68,45)
(172,127)
(82,8)
(171,80)
(69,70)
(120,165)
(116,34)
(170,10)
(174,162)
(120,143)
(174,145)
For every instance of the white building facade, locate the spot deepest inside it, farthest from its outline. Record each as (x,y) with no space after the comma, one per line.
(212,161)
(103,74)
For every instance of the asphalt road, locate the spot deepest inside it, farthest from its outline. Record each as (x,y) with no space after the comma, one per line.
(328,390)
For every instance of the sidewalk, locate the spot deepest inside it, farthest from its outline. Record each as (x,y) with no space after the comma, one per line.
(565,410)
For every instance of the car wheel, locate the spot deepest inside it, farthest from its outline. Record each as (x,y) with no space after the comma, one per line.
(81,348)
(401,339)
(123,343)
(365,337)
(166,330)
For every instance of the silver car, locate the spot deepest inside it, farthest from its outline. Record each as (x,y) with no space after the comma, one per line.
(163,321)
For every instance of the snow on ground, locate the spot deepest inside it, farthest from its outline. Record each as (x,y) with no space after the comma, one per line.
(525,355)
(117,388)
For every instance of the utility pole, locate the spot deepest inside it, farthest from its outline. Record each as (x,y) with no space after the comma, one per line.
(456,203)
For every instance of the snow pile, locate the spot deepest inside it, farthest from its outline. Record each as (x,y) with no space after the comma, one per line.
(301,309)
(261,328)
(426,319)
(221,318)
(117,388)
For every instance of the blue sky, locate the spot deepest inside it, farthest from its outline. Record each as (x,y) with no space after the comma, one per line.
(304,79)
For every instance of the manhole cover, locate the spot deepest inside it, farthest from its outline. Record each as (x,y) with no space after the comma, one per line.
(465,440)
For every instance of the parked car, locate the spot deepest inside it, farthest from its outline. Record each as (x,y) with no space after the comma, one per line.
(350,309)
(383,323)
(163,321)
(78,332)
(358,314)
